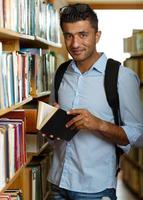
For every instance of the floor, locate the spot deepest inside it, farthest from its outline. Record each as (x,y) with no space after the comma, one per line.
(122,191)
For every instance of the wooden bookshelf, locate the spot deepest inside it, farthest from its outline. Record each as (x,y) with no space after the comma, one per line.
(42,94)
(16,175)
(9,183)
(13,41)
(99,4)
(8,34)
(43,41)
(37,42)
(18,105)
(133,175)
(132,164)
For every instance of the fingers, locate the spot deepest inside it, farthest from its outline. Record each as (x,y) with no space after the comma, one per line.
(56,105)
(76,111)
(74,120)
(82,119)
(78,125)
(52,137)
(78,122)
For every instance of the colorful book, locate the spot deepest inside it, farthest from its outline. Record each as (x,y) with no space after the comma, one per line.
(3,157)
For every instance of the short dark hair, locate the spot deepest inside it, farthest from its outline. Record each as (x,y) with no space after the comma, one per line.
(77,12)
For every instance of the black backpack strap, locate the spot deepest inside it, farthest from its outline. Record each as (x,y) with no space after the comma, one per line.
(58,77)
(111,90)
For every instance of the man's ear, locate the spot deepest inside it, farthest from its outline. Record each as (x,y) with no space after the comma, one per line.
(98,35)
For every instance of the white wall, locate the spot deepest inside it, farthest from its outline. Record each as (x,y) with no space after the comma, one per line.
(116,25)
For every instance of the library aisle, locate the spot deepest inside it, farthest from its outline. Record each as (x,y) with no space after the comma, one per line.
(123,192)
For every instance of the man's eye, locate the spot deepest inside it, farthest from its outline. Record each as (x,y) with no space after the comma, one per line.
(82,35)
(67,36)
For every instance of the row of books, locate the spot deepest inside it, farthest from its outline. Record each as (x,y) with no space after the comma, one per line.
(32,17)
(11,194)
(17,138)
(12,145)
(38,143)
(39,172)
(136,64)
(132,164)
(42,69)
(14,78)
(24,73)
(134,43)
(133,177)
(136,154)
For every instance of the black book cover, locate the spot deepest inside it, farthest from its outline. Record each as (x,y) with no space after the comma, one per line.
(55,125)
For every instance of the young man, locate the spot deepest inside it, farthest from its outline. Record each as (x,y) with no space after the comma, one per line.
(85,167)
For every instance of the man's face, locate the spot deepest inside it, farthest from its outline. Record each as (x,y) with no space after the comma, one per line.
(80,39)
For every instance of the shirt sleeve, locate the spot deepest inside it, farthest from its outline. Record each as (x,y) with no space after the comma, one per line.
(131,106)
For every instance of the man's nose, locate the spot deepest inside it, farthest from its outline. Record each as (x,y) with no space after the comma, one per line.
(75,42)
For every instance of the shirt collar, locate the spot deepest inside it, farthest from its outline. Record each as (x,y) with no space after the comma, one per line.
(99,65)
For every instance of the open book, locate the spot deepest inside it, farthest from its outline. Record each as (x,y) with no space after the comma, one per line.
(52,121)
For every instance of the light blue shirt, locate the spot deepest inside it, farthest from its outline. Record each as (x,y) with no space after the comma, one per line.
(88,163)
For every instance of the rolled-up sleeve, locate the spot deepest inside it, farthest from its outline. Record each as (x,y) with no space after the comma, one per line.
(131,106)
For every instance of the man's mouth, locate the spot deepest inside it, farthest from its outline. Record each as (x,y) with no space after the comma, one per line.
(76,52)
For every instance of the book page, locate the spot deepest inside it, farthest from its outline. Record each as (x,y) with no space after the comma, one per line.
(45,112)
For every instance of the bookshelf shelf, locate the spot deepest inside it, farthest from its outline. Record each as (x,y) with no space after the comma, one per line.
(42,94)
(37,42)
(58,45)
(40,151)
(136,55)
(27,39)
(133,162)
(16,175)
(10,182)
(8,34)
(43,147)
(46,42)
(6,110)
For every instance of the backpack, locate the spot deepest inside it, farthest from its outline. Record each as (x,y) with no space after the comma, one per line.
(111,91)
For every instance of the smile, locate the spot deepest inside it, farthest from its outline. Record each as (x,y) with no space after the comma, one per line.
(76,52)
